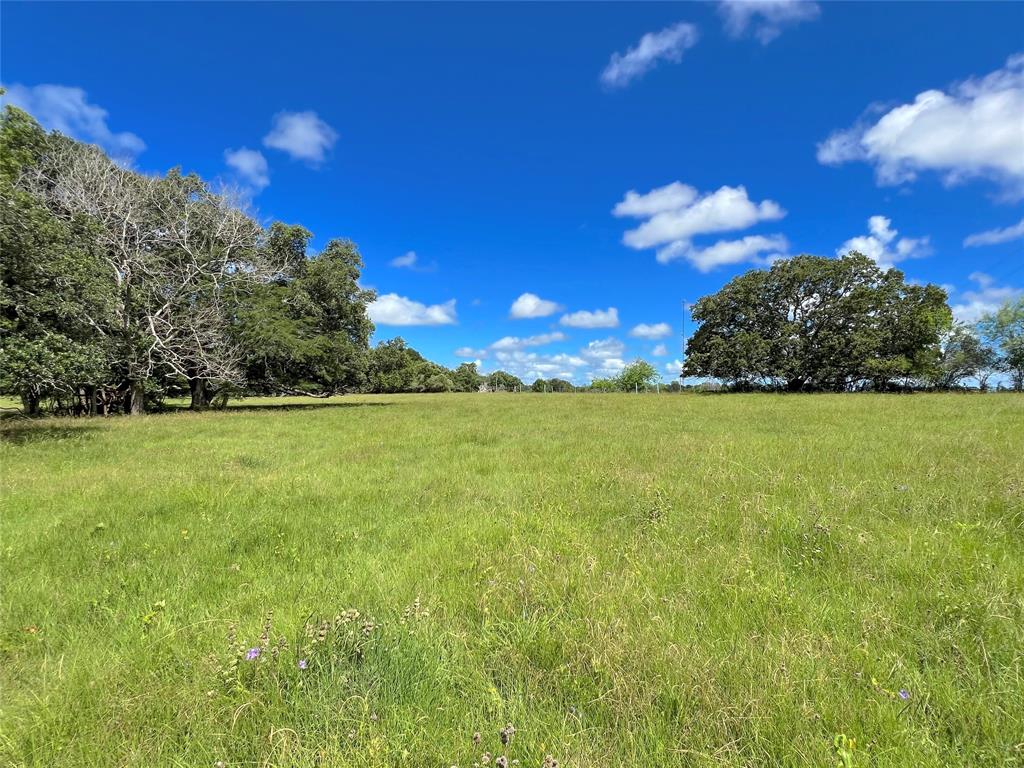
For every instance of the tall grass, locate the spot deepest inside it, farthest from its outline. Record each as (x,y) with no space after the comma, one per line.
(627,580)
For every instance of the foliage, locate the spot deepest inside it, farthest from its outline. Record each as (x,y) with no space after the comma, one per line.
(965,356)
(502,381)
(638,375)
(817,323)
(1004,328)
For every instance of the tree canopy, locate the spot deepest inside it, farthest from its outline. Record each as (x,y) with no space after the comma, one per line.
(816,323)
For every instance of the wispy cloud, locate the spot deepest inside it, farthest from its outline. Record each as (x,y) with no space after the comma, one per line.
(765,19)
(250,167)
(654,47)
(651,331)
(986,298)
(302,135)
(68,110)
(514,342)
(598,318)
(996,236)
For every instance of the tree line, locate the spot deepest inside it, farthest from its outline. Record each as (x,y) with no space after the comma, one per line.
(120,290)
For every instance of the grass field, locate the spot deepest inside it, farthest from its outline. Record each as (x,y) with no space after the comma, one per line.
(628,580)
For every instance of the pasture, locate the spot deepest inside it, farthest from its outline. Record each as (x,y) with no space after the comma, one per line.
(675,580)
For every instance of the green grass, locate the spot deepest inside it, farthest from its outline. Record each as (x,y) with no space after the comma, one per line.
(629,580)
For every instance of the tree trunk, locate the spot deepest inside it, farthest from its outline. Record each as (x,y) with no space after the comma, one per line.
(200,394)
(30,403)
(136,398)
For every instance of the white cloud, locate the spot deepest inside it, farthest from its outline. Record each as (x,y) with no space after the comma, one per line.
(671,197)
(250,166)
(514,342)
(996,236)
(651,331)
(599,318)
(666,45)
(407,259)
(68,110)
(603,349)
(766,17)
(747,249)
(531,305)
(883,246)
(972,130)
(726,209)
(392,309)
(987,298)
(675,367)
(303,135)
(660,351)
(470,352)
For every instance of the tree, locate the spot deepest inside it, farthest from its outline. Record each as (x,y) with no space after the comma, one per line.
(638,375)
(964,355)
(466,378)
(818,323)
(55,298)
(539,385)
(502,381)
(306,331)
(559,385)
(173,252)
(1004,328)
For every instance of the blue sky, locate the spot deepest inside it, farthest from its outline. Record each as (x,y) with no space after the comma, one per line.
(610,161)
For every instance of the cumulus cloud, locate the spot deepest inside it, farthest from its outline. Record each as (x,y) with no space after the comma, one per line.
(302,135)
(660,350)
(971,130)
(651,331)
(599,318)
(988,297)
(68,110)
(392,309)
(654,47)
(407,259)
(250,166)
(755,249)
(514,342)
(725,209)
(676,213)
(882,244)
(675,367)
(471,353)
(765,19)
(603,349)
(996,236)
(531,305)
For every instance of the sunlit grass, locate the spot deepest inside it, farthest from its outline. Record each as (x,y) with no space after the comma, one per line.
(628,580)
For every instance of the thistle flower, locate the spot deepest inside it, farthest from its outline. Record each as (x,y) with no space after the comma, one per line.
(303,663)
(252,654)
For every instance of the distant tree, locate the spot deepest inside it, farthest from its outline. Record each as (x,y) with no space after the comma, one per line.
(1004,328)
(638,375)
(504,381)
(559,385)
(819,323)
(438,382)
(539,385)
(466,378)
(965,356)
(606,385)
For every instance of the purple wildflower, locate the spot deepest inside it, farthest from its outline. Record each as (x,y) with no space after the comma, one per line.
(303,663)
(904,694)
(252,654)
